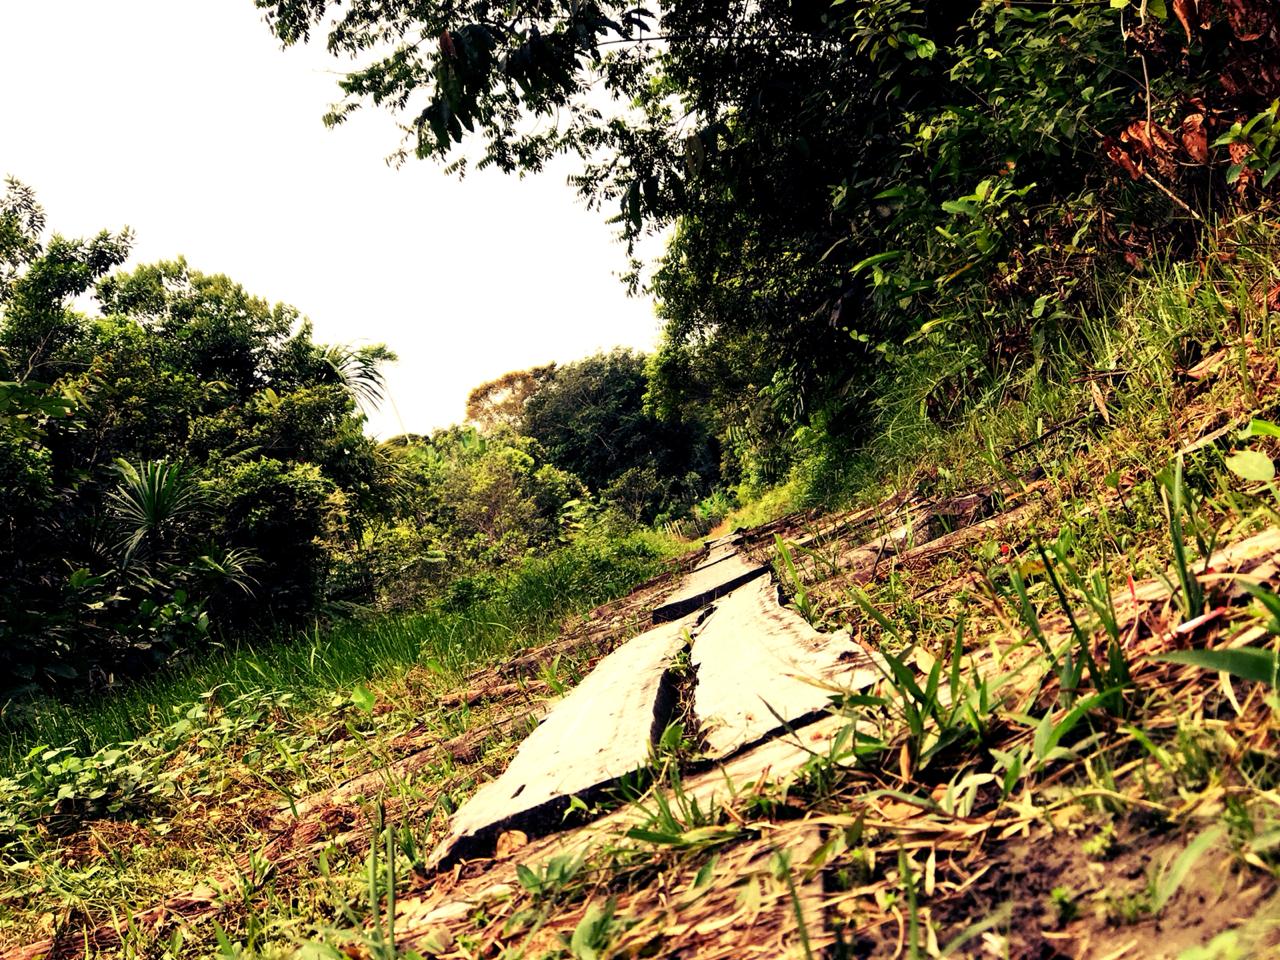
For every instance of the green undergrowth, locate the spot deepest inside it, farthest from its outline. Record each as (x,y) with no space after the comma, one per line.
(760,507)
(479,622)
(1037,761)
(940,424)
(170,786)
(1032,764)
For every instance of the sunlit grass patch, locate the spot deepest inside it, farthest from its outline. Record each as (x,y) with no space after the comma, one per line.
(504,613)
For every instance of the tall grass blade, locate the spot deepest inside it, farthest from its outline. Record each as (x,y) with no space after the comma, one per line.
(1247,663)
(1170,880)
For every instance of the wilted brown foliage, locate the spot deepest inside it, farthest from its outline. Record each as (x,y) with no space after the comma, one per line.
(1233,47)
(501,402)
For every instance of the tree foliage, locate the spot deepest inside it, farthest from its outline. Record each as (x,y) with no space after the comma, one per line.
(592,419)
(191,464)
(185,456)
(854,185)
(466,503)
(500,404)
(873,206)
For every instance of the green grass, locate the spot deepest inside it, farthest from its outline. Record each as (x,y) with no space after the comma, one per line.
(193,758)
(494,616)
(767,505)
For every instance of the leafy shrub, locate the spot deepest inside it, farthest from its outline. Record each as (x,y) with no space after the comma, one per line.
(278,512)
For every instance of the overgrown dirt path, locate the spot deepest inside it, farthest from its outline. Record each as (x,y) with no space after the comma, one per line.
(250,846)
(936,726)
(790,846)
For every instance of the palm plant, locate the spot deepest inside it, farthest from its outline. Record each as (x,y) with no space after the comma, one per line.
(357,369)
(149,505)
(229,566)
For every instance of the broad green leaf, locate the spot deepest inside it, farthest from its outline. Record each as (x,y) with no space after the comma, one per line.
(590,934)
(363,699)
(966,207)
(1260,428)
(1252,465)
(527,878)
(875,259)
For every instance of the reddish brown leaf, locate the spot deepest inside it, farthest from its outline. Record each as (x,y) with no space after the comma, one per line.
(1118,155)
(1249,19)
(1185,11)
(1139,134)
(1154,143)
(1239,151)
(1194,138)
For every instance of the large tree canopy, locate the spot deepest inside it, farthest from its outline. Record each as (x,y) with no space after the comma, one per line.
(847,177)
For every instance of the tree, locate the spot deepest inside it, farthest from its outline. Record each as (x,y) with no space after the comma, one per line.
(467,504)
(499,404)
(591,419)
(358,370)
(38,281)
(183,461)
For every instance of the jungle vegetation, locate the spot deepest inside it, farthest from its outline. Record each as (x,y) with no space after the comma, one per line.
(1014,254)
(883,216)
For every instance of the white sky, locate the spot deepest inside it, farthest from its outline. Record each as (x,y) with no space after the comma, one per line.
(185,121)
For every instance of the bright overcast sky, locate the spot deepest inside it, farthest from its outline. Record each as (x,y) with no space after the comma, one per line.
(188,123)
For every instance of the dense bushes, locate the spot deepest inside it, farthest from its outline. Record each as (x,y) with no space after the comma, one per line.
(463,503)
(185,465)
(884,214)
(282,511)
(183,460)
(592,419)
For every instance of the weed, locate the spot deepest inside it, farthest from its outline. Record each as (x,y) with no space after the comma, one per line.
(937,717)
(1179,501)
(857,870)
(1064,905)
(1126,909)
(552,879)
(549,674)
(1171,875)
(591,937)
(680,820)
(1102,845)
(799,595)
